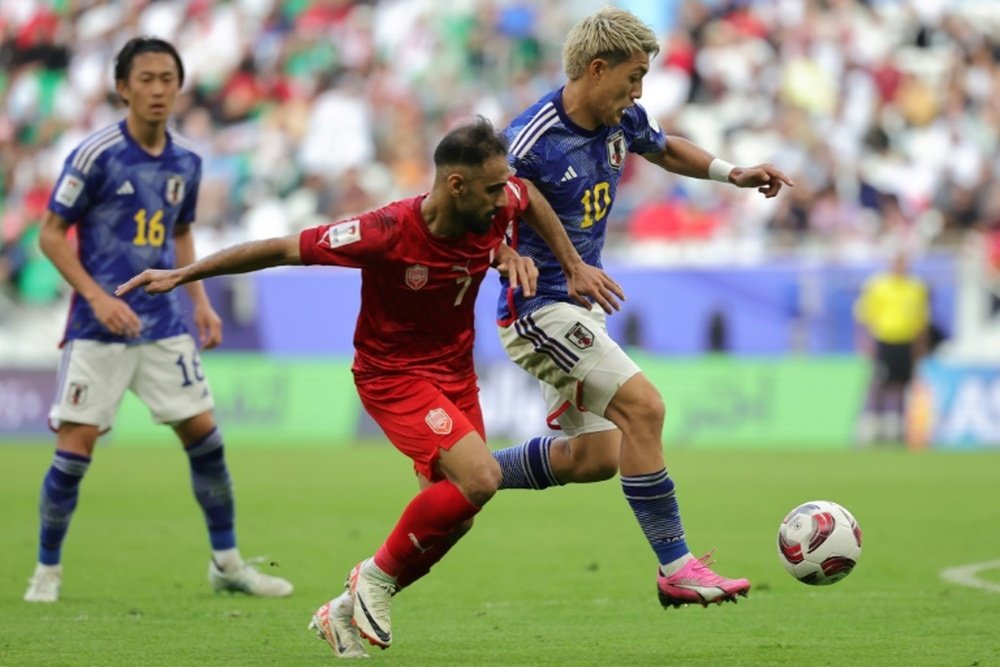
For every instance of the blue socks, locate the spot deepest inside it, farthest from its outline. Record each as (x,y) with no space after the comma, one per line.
(527,466)
(213,489)
(60,491)
(651,496)
(209,478)
(655,506)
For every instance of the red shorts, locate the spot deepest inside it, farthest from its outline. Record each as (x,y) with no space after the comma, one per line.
(420,416)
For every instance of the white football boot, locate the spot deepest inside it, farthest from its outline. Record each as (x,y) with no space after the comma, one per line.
(245,578)
(372,591)
(332,623)
(44,584)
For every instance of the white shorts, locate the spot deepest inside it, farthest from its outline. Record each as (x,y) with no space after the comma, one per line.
(579,366)
(93,376)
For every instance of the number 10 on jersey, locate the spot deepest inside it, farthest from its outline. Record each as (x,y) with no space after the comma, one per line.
(596,202)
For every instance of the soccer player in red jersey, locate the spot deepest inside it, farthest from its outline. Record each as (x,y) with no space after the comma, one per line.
(422,260)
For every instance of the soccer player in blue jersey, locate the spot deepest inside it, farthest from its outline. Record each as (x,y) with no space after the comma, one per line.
(131,190)
(572,146)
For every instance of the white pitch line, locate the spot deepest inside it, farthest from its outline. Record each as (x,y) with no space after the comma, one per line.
(965,575)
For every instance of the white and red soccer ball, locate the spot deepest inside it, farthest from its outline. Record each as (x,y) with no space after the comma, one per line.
(819,542)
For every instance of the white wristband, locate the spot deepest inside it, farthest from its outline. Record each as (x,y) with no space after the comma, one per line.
(718,170)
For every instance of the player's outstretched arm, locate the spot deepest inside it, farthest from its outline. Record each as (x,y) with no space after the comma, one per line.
(680,156)
(242,258)
(583,280)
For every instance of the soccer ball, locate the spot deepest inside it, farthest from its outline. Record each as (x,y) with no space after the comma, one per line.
(819,542)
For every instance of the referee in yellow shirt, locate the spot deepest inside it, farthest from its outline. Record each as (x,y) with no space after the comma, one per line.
(894,309)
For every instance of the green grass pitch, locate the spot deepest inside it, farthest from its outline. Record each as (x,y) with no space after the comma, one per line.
(561,577)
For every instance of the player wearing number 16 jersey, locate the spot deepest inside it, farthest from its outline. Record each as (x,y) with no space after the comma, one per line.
(130,190)
(422,261)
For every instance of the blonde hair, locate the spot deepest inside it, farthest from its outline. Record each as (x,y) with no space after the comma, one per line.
(611,33)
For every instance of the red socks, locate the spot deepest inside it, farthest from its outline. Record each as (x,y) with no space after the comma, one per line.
(416,542)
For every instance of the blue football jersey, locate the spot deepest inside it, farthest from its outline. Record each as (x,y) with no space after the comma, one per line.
(578,172)
(126,204)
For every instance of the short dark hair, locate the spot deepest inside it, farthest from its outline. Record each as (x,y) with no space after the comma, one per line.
(470,145)
(137,45)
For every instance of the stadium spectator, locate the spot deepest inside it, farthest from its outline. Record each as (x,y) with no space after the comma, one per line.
(893,312)
(422,261)
(572,144)
(845,68)
(426,63)
(130,190)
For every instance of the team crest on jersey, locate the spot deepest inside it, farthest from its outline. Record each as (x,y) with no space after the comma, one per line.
(175,190)
(616,149)
(416,276)
(439,421)
(580,336)
(77,394)
(342,233)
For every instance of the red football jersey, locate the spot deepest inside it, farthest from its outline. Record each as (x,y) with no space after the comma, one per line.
(417,290)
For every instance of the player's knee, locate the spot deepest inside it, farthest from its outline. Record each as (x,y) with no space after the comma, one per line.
(657,410)
(482,482)
(194,429)
(646,410)
(637,407)
(79,439)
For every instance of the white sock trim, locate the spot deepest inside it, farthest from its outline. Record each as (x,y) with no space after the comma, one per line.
(373,570)
(675,565)
(227,559)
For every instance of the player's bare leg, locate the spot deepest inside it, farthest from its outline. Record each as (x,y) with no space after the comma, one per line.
(638,411)
(591,457)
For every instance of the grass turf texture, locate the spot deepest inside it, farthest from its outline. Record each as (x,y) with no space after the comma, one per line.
(561,577)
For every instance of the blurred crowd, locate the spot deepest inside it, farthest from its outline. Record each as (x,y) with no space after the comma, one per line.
(886,113)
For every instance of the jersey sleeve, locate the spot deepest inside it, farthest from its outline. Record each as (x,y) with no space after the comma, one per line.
(71,197)
(355,243)
(517,196)
(526,164)
(190,206)
(642,131)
